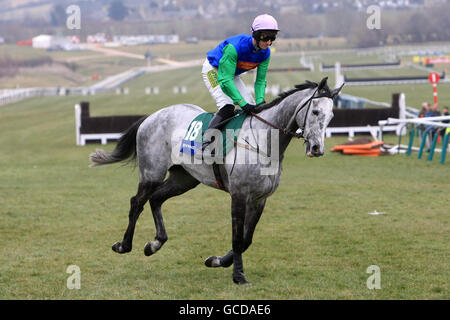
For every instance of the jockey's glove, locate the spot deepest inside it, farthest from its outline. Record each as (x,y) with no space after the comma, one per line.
(249,108)
(260,107)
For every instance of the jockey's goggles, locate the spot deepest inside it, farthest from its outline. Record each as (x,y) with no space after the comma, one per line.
(267,37)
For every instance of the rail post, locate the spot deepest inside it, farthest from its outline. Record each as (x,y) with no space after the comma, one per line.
(412,134)
(422,143)
(433,145)
(444,147)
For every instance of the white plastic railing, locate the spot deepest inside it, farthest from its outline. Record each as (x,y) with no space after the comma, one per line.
(429,121)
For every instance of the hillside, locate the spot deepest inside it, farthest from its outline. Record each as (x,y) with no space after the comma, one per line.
(411,22)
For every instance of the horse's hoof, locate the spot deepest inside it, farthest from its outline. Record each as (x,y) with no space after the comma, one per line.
(240,280)
(148,249)
(151,247)
(117,247)
(213,262)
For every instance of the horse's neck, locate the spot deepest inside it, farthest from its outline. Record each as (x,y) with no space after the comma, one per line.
(281,115)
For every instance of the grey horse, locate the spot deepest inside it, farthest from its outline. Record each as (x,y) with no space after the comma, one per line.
(304,111)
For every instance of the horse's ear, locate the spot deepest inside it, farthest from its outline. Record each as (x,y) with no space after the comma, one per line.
(323,83)
(336,91)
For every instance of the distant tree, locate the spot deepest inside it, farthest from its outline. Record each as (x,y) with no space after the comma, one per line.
(441,19)
(362,37)
(340,22)
(294,25)
(117,11)
(418,26)
(153,4)
(58,16)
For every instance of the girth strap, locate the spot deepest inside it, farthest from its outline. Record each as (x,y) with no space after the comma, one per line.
(218,176)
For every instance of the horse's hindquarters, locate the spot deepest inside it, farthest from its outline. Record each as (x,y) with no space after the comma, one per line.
(159,138)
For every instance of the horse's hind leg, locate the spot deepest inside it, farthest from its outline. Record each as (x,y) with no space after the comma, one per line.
(136,206)
(178,182)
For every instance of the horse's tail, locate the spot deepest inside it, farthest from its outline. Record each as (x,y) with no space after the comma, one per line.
(126,148)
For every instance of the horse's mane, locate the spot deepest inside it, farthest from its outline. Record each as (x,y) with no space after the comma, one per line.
(325,91)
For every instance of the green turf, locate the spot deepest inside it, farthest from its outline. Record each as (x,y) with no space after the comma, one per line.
(315,239)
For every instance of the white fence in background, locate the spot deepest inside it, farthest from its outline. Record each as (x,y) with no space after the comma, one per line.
(106,85)
(429,121)
(14,95)
(81,138)
(375,131)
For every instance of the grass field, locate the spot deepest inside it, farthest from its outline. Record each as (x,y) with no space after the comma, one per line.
(315,239)
(59,72)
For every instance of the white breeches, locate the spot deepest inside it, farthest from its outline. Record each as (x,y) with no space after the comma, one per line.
(209,74)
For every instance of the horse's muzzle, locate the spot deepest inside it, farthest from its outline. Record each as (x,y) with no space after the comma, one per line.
(313,151)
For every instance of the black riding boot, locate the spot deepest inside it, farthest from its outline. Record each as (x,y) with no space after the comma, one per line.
(218,121)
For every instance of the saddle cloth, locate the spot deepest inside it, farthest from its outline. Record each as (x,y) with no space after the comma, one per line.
(193,139)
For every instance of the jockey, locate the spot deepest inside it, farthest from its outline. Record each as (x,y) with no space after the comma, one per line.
(232,57)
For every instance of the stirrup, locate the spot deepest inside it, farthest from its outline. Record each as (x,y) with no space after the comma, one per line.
(205,144)
(199,154)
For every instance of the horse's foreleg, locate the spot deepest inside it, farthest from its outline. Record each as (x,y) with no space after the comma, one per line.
(238,207)
(252,215)
(136,207)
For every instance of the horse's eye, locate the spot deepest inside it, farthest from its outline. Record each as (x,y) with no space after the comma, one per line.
(315,112)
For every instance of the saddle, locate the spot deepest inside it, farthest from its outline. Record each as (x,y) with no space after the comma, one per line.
(193,139)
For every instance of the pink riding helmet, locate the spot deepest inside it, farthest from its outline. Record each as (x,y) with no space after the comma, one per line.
(265,22)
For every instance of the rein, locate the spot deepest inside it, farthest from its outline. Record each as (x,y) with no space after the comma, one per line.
(286,130)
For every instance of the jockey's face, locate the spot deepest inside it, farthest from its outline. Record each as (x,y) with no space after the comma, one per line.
(265,44)
(264,38)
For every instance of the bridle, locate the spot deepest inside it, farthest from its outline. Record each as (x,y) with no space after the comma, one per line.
(287,130)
